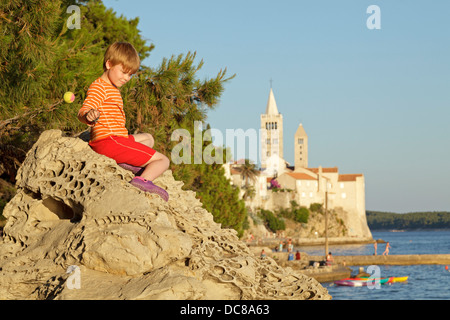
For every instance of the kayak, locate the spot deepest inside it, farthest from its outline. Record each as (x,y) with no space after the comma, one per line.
(360,282)
(391,279)
(349,283)
(399,279)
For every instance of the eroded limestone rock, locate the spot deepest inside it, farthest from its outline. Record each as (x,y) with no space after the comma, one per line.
(76,208)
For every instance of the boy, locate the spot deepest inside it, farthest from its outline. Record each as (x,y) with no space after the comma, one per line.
(103,112)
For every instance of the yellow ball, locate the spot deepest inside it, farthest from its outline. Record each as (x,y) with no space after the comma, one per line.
(69,97)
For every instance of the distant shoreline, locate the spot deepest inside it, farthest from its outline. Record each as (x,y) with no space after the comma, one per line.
(410,229)
(384,221)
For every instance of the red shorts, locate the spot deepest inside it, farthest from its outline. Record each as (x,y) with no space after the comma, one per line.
(123,150)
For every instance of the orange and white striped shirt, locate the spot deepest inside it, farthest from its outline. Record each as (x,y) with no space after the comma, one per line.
(105,98)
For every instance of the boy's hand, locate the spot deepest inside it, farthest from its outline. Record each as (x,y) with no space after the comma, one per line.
(92,115)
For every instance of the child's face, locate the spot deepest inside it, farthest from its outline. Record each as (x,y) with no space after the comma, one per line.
(117,75)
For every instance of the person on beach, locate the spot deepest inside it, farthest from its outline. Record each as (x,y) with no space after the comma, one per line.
(297,255)
(103,111)
(290,246)
(263,254)
(375,245)
(329,259)
(386,251)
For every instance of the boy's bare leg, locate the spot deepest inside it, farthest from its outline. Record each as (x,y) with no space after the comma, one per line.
(157,164)
(144,138)
(155,167)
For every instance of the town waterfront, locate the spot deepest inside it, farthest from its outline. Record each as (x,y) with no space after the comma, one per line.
(425,282)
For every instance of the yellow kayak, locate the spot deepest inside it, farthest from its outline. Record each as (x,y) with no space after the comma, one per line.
(399,279)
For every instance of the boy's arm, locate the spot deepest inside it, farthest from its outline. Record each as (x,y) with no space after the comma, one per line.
(96,95)
(90,117)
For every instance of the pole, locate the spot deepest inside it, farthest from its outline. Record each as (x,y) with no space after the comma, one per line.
(326,223)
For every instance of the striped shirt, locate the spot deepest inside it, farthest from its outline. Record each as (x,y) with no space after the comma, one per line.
(105,98)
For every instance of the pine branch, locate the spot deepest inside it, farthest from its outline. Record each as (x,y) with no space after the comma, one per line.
(30,114)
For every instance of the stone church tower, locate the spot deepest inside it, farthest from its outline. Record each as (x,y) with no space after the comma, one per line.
(272,129)
(301,148)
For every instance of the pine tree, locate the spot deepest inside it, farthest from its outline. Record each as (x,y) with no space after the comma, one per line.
(41,59)
(216,192)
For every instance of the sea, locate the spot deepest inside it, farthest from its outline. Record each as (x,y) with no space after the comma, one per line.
(425,282)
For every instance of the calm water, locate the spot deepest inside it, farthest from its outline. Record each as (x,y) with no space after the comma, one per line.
(424,282)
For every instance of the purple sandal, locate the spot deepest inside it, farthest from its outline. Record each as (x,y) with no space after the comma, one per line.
(148,186)
(136,170)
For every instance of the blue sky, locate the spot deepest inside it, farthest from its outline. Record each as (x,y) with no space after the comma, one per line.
(371,101)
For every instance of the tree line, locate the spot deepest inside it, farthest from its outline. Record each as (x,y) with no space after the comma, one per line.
(377,220)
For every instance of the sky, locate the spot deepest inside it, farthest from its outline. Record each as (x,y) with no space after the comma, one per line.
(372,100)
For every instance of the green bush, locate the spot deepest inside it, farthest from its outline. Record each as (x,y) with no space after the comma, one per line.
(295,212)
(271,221)
(301,214)
(316,207)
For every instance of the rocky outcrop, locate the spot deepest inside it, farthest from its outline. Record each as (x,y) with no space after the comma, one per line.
(77,229)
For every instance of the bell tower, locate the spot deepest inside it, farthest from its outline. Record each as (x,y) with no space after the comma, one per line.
(301,148)
(272,129)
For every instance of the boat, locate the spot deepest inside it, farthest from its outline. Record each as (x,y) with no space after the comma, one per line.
(361,282)
(391,279)
(398,279)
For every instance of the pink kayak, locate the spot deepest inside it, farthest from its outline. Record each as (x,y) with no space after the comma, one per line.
(360,282)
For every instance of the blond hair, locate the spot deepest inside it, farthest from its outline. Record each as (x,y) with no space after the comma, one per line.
(122,53)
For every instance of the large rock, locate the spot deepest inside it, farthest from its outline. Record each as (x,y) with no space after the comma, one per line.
(78,230)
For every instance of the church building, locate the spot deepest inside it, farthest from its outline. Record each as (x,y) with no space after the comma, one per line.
(307,185)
